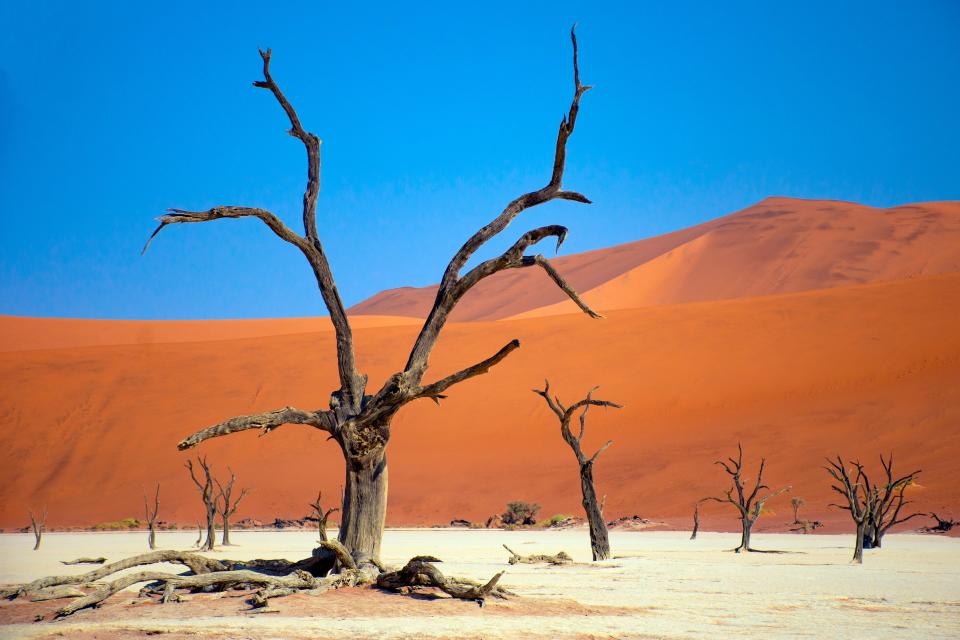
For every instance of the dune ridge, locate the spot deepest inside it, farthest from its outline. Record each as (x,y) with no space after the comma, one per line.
(779,245)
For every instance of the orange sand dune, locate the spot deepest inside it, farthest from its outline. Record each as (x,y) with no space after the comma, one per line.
(777,246)
(23,334)
(857,370)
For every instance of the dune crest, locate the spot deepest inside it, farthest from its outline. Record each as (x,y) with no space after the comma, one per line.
(779,245)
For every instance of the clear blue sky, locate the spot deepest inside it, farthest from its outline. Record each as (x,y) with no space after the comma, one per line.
(432,119)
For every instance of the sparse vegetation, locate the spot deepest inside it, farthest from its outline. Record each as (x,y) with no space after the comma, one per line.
(521,513)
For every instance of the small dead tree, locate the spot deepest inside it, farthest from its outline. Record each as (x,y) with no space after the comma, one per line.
(696,518)
(151,515)
(38,525)
(226,505)
(599,539)
(942,526)
(860,499)
(796,502)
(209,496)
(888,501)
(748,504)
(357,420)
(322,516)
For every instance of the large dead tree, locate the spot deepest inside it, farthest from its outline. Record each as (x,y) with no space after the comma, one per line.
(360,422)
(748,503)
(860,499)
(151,515)
(599,540)
(226,505)
(208,494)
(888,502)
(38,524)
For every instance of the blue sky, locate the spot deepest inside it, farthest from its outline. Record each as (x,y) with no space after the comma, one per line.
(433,117)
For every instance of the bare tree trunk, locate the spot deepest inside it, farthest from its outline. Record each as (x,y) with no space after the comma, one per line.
(38,524)
(858,549)
(364,506)
(599,539)
(151,515)
(746,525)
(696,521)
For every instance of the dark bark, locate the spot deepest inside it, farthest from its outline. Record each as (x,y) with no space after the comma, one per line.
(889,500)
(151,515)
(38,524)
(860,499)
(419,572)
(748,503)
(208,496)
(696,520)
(599,539)
(227,505)
(358,422)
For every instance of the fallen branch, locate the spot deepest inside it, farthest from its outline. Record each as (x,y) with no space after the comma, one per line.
(538,558)
(419,572)
(84,561)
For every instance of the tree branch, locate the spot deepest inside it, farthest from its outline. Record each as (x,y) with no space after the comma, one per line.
(452,287)
(181,216)
(266,422)
(435,390)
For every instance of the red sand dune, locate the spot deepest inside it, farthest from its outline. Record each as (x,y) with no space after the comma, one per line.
(857,370)
(779,245)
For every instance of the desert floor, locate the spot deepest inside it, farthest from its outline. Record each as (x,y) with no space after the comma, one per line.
(659,585)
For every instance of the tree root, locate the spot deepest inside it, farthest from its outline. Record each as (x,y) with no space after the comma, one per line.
(560,558)
(420,572)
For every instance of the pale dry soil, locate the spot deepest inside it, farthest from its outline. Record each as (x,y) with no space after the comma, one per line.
(659,585)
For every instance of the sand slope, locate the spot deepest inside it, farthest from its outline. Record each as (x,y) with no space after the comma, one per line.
(779,245)
(858,370)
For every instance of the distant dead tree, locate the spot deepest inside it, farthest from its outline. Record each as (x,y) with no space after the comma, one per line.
(360,422)
(796,502)
(227,505)
(888,501)
(322,516)
(696,517)
(748,504)
(209,496)
(859,496)
(599,540)
(38,525)
(151,515)
(942,526)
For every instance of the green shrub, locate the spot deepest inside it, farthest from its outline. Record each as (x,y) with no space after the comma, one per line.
(520,512)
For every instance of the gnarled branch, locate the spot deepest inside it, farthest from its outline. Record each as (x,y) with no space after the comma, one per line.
(452,286)
(266,422)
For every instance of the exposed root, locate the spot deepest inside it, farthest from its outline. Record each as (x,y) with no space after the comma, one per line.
(538,558)
(419,572)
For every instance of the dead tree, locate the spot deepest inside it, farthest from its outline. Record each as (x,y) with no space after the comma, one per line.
(322,516)
(942,526)
(209,496)
(151,515)
(696,518)
(796,502)
(360,422)
(888,501)
(226,505)
(860,499)
(749,505)
(599,540)
(561,557)
(38,525)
